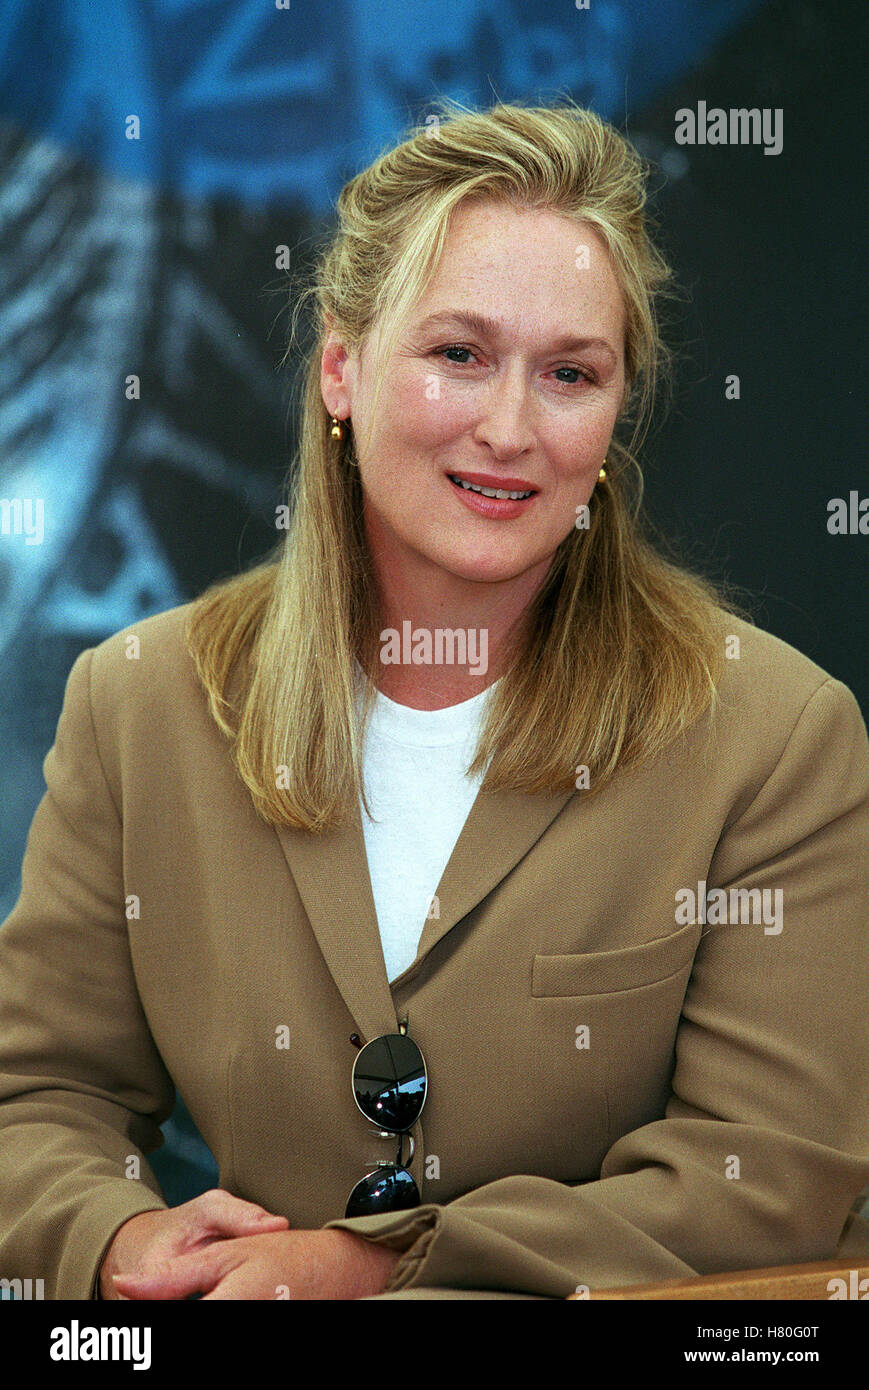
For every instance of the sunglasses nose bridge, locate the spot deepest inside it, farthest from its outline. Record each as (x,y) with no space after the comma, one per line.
(400,1136)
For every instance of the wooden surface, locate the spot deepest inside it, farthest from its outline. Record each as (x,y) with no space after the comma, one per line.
(809,1281)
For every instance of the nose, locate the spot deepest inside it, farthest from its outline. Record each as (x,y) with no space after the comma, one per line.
(504,416)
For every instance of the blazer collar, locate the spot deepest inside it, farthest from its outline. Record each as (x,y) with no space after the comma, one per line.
(331,874)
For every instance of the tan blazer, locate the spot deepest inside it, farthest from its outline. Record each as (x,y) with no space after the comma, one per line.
(711,1116)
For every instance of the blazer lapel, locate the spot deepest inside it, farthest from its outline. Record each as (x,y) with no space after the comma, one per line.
(501,827)
(330,871)
(331,874)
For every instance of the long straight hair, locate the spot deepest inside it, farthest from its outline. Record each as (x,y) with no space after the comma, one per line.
(621,648)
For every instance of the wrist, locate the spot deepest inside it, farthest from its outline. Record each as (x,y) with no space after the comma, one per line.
(370,1264)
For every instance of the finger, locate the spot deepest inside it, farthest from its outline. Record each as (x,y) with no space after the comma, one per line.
(201,1237)
(219,1213)
(185,1276)
(162,1286)
(247,1281)
(224,1290)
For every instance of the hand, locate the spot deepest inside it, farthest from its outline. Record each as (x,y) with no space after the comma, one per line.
(146,1242)
(323,1264)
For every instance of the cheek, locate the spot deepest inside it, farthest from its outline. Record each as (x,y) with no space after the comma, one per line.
(425,412)
(438,413)
(576,449)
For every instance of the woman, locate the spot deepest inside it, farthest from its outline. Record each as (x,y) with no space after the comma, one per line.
(490,889)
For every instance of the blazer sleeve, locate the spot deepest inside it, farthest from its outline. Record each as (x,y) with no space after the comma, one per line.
(83,1089)
(770,1070)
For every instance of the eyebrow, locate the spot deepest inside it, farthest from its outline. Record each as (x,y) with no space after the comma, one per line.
(486,327)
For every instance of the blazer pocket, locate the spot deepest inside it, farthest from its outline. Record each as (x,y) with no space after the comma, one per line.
(615,972)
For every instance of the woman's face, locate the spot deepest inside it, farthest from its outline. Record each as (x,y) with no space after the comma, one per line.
(508,374)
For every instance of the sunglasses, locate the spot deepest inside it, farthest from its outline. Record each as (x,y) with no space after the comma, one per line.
(390,1084)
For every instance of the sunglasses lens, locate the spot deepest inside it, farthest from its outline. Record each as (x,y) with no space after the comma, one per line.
(389,1082)
(389,1189)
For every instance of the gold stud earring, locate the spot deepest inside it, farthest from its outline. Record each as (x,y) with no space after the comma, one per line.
(337,430)
(601,477)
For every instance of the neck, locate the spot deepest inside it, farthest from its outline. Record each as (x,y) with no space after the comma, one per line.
(448,637)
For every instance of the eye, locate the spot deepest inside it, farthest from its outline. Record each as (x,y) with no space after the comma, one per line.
(454,347)
(579,373)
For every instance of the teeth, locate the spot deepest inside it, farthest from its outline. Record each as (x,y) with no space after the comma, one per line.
(489,491)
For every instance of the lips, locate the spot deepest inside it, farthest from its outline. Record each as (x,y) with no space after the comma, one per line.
(499,501)
(490,485)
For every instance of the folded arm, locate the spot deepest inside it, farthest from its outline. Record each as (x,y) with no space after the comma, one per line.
(83,1090)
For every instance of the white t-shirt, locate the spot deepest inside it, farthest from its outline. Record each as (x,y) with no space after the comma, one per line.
(414,766)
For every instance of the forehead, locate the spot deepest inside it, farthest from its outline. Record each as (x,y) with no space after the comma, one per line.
(535,270)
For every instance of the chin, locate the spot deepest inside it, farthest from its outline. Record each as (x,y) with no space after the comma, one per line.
(485,569)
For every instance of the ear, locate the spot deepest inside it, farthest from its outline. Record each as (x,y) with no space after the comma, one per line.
(335,378)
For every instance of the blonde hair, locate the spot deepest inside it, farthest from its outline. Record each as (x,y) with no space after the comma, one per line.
(622,649)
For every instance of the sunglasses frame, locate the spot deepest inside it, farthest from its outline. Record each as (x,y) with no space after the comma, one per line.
(398,1165)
